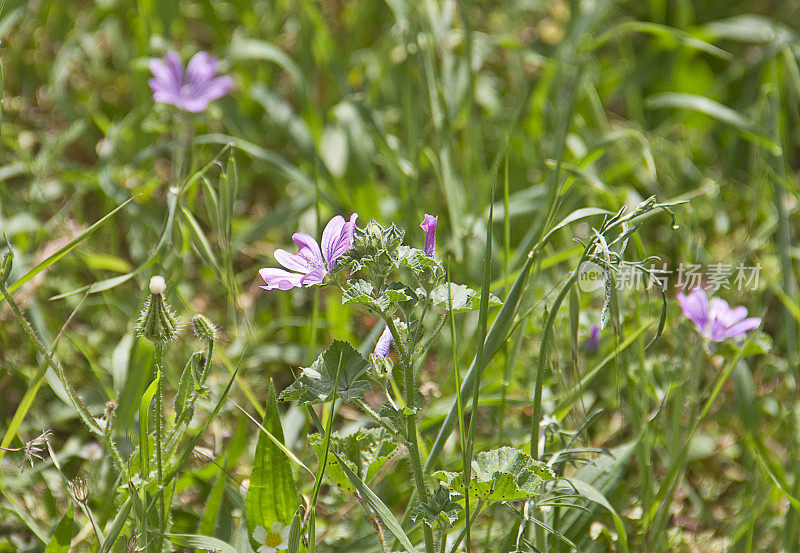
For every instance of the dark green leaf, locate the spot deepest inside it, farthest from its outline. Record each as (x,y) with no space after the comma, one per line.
(316,383)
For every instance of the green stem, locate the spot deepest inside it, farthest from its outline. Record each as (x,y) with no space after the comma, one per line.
(159,361)
(413,439)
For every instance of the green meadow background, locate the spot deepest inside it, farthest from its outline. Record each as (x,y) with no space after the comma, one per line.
(396,109)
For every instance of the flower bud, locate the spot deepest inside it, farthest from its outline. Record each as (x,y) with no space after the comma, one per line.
(5,269)
(204,329)
(157,323)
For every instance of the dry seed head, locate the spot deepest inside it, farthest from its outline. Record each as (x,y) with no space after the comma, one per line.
(80,489)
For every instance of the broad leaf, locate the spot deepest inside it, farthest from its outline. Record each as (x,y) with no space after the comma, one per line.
(442,503)
(504,474)
(60,542)
(271,496)
(358,291)
(316,384)
(364,451)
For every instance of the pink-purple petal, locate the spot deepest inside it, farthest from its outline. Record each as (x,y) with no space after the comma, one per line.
(738,329)
(331,237)
(174,66)
(278,278)
(292,261)
(695,307)
(201,68)
(314,277)
(307,242)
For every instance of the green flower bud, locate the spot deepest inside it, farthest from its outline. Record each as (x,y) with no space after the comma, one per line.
(8,262)
(204,329)
(157,322)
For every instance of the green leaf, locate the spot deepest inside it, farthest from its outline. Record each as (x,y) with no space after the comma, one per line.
(201,542)
(272,495)
(504,474)
(185,386)
(397,292)
(144,417)
(364,451)
(415,259)
(441,504)
(358,291)
(463,297)
(60,542)
(593,494)
(397,416)
(316,383)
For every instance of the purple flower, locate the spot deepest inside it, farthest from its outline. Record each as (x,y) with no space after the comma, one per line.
(716,320)
(428,224)
(311,264)
(593,341)
(384,344)
(191,90)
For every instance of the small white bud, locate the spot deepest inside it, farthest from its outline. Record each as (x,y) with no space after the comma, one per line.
(157,285)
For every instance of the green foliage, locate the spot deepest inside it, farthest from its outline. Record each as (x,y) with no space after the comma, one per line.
(271,495)
(364,451)
(319,382)
(504,474)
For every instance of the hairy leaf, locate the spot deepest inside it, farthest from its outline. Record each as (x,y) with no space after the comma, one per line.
(316,383)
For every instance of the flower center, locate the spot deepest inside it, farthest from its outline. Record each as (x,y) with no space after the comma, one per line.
(273,540)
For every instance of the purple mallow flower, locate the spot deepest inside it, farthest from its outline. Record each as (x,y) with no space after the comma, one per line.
(593,341)
(191,90)
(428,224)
(311,264)
(384,344)
(716,320)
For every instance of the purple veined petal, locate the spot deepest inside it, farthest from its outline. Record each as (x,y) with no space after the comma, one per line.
(384,344)
(314,277)
(293,261)
(738,329)
(175,68)
(331,237)
(280,279)
(214,88)
(166,97)
(157,86)
(201,68)
(695,307)
(163,75)
(428,224)
(308,243)
(715,330)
